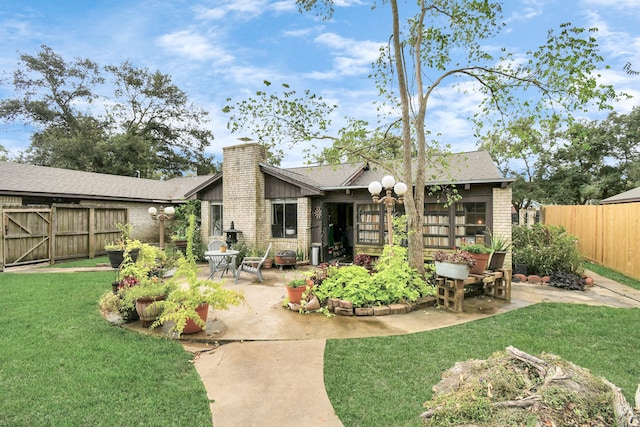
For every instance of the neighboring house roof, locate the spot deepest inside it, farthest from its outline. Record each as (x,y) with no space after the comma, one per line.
(28,180)
(629,196)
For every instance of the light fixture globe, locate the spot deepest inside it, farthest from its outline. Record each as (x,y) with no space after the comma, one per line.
(375,188)
(400,188)
(152,211)
(388,181)
(169,210)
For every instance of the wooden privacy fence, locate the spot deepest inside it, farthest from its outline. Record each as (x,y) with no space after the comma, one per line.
(46,234)
(608,234)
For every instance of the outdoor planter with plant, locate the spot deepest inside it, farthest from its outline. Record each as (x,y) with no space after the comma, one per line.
(296,287)
(189,300)
(453,264)
(480,254)
(499,247)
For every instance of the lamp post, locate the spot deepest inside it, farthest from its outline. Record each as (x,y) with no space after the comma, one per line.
(162,215)
(389,184)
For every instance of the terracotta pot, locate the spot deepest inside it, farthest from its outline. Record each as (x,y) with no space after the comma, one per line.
(295,294)
(148,313)
(482,260)
(191,327)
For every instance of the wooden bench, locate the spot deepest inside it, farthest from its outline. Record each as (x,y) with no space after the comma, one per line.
(450,292)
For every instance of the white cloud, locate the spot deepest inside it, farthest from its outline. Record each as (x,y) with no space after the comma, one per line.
(351,57)
(615,4)
(193,46)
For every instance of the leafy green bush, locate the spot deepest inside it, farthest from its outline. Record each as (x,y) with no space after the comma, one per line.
(392,281)
(546,249)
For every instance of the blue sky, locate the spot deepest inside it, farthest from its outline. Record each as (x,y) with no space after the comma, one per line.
(221,49)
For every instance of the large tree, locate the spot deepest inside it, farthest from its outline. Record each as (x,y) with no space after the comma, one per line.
(445,42)
(580,164)
(146,127)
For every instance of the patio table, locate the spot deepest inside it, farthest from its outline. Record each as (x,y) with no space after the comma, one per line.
(216,262)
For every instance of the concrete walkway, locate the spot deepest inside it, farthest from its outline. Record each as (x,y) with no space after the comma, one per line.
(245,354)
(249,380)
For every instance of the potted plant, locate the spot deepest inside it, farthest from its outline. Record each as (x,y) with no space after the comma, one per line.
(453,264)
(116,250)
(499,248)
(187,304)
(296,287)
(480,254)
(144,298)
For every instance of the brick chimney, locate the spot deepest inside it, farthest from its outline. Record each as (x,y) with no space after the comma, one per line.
(243,191)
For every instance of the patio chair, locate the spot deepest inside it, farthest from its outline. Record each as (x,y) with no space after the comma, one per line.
(217,263)
(253,265)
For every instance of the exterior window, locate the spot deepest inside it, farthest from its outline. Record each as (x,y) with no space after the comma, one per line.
(436,225)
(369,224)
(216,219)
(471,223)
(284,219)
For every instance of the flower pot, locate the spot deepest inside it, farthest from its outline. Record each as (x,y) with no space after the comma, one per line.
(115,258)
(191,327)
(148,313)
(452,271)
(497,260)
(295,294)
(482,260)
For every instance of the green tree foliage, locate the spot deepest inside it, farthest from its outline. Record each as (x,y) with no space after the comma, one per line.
(145,128)
(587,162)
(448,43)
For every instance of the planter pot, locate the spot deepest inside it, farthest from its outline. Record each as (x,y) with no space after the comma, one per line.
(115,258)
(295,294)
(268,263)
(191,327)
(148,313)
(452,271)
(130,315)
(482,261)
(497,260)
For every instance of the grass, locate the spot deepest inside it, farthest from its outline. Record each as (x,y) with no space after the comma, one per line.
(62,364)
(384,381)
(613,275)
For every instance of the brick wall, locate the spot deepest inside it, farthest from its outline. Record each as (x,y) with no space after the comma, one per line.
(502,217)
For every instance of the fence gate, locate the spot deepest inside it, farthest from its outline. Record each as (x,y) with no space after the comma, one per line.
(26,236)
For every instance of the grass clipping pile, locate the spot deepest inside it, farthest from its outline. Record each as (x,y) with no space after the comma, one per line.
(516,388)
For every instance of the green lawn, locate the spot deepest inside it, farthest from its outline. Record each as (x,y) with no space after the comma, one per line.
(62,364)
(384,381)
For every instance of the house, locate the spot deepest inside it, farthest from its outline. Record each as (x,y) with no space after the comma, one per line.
(329,207)
(52,213)
(629,196)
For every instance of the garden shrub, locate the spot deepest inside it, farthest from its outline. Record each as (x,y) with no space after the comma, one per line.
(546,249)
(392,281)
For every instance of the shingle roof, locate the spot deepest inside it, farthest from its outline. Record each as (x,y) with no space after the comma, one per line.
(468,167)
(329,175)
(25,179)
(629,196)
